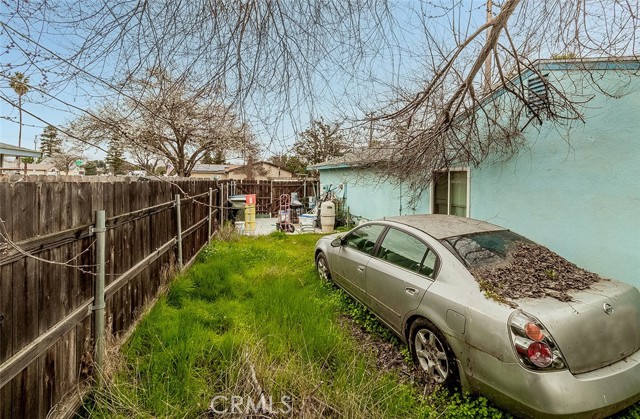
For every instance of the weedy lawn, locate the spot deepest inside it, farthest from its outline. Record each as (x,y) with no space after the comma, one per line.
(252,318)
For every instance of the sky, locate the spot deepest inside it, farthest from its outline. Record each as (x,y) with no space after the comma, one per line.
(340,92)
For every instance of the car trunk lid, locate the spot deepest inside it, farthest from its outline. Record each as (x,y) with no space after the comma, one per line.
(599,327)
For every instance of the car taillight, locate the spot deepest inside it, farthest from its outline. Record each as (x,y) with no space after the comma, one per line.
(534,346)
(540,354)
(533,331)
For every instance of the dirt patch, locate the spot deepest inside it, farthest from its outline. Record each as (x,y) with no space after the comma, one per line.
(533,271)
(388,356)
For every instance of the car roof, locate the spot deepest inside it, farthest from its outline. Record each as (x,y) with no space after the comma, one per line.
(441,226)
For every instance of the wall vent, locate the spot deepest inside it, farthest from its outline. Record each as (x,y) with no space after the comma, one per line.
(538,96)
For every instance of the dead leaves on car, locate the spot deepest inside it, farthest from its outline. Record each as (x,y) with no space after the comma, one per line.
(532,271)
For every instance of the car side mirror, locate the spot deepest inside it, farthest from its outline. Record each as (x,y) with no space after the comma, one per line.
(337,242)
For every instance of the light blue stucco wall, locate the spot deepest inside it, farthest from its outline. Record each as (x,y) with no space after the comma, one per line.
(575,188)
(368,197)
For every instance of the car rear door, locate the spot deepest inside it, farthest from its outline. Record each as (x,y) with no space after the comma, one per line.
(352,258)
(399,276)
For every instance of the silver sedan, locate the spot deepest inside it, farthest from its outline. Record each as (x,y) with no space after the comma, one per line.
(578,356)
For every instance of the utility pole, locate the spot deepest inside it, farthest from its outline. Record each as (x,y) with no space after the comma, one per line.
(487,63)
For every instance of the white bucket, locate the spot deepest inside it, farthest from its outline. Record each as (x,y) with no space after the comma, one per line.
(308,220)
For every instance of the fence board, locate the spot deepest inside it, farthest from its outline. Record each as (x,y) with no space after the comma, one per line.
(26,386)
(6,313)
(44,291)
(22,314)
(6,210)
(47,379)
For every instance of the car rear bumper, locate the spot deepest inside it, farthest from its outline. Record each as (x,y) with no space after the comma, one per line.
(528,393)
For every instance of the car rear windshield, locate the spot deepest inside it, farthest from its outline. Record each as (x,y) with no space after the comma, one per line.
(485,248)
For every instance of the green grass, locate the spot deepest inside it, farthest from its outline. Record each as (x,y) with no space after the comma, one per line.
(252,315)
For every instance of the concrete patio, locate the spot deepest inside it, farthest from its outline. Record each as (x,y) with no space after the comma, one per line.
(265,226)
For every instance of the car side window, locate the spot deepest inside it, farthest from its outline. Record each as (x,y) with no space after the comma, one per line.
(364,238)
(429,264)
(406,251)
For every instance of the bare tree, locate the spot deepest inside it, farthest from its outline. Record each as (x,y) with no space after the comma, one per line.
(280,58)
(67,155)
(454,119)
(144,158)
(168,118)
(267,48)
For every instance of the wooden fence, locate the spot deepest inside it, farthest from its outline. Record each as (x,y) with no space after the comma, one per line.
(48,261)
(48,258)
(46,288)
(267,192)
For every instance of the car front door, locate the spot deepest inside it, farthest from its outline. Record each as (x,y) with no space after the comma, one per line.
(353,257)
(399,276)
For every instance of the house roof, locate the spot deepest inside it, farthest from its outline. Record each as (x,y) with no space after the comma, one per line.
(595,63)
(212,168)
(259,163)
(567,64)
(41,166)
(12,150)
(358,156)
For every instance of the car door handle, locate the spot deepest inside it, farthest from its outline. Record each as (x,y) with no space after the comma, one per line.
(411,291)
(360,268)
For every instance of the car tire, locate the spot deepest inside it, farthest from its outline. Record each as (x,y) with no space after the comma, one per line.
(432,353)
(322,267)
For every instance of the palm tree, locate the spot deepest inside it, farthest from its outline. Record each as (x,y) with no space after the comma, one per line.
(20,84)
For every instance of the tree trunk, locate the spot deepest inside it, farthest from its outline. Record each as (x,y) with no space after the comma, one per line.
(20,125)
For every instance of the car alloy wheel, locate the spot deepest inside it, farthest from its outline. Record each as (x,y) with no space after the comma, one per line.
(432,353)
(323,268)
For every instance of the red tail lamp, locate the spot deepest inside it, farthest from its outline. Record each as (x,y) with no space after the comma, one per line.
(540,354)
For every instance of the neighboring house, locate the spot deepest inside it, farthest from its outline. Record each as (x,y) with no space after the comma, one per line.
(14,152)
(42,169)
(47,167)
(262,170)
(573,187)
(212,171)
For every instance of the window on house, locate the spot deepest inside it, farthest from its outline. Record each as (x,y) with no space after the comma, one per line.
(450,193)
(538,95)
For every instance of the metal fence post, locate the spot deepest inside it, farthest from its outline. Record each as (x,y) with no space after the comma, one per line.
(271,206)
(226,197)
(210,208)
(179,231)
(98,292)
(219,201)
